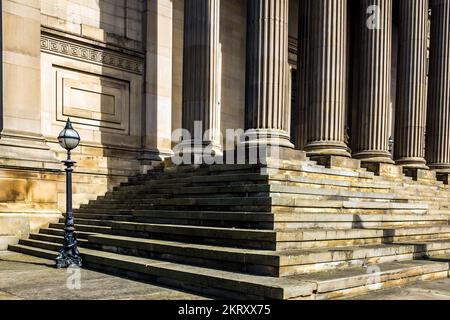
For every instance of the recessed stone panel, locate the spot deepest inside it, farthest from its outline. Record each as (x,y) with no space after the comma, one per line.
(93,100)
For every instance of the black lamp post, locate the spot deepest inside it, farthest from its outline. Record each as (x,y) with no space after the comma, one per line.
(69,255)
(391,144)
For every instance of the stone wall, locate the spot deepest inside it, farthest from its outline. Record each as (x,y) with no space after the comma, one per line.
(118,22)
(93,71)
(29,170)
(115,68)
(83,59)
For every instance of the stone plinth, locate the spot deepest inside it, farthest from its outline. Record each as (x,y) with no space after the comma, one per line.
(337,162)
(386,170)
(444,177)
(421,175)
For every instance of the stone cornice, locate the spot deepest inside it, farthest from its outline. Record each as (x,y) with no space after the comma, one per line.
(75,50)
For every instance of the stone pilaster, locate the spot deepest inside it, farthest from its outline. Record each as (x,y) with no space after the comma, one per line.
(159,81)
(411,107)
(438,125)
(371,139)
(21,141)
(201,75)
(300,131)
(327,78)
(29,170)
(267,118)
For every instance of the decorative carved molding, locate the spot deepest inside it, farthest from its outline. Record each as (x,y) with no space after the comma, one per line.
(89,54)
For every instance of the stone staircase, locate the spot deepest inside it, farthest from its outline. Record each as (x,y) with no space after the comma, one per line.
(284,230)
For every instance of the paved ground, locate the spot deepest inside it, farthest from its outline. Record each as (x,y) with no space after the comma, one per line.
(435,290)
(29,278)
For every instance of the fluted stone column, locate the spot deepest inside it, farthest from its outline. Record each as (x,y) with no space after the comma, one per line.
(201,75)
(438,125)
(411,107)
(302,75)
(371,139)
(268,113)
(327,78)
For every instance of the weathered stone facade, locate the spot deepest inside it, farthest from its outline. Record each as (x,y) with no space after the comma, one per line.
(116,69)
(345,81)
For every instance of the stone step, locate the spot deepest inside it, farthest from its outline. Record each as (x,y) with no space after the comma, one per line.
(226,201)
(257,204)
(231,204)
(60,232)
(85,228)
(228,259)
(299,203)
(255,239)
(102,216)
(48,238)
(176,191)
(248,261)
(355,221)
(268,239)
(207,179)
(350,184)
(357,281)
(196,170)
(326,285)
(250,191)
(445,212)
(297,190)
(195,218)
(285,220)
(318,171)
(192,171)
(281,211)
(275,263)
(296,166)
(321,170)
(218,283)
(283,205)
(93,222)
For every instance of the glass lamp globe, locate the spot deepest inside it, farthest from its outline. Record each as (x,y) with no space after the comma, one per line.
(69,138)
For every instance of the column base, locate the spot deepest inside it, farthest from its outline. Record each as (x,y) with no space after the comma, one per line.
(440,167)
(385,170)
(246,155)
(328,148)
(196,152)
(266,137)
(374,156)
(412,163)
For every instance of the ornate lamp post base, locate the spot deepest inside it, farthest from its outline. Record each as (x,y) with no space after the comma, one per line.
(66,260)
(69,256)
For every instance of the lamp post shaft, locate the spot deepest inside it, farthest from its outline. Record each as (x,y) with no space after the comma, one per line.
(69,255)
(70,226)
